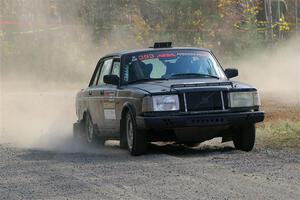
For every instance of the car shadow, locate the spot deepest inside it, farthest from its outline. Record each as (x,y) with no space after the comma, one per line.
(111,152)
(184,151)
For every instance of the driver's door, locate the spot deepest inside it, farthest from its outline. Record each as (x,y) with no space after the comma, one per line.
(110,101)
(96,93)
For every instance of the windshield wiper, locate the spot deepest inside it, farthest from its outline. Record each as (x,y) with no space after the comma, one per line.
(146,79)
(193,74)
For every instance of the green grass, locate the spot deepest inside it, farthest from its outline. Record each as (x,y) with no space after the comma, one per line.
(279,134)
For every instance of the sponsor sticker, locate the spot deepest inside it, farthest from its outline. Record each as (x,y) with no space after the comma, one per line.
(109,93)
(190,54)
(146,56)
(109,113)
(109,105)
(160,55)
(166,55)
(109,96)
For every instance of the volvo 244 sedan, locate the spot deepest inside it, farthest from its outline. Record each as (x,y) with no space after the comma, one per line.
(165,93)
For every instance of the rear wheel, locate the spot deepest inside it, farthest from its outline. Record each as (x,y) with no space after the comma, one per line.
(90,131)
(136,140)
(244,137)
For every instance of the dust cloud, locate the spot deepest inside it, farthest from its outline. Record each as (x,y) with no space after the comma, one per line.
(38,88)
(43,65)
(275,72)
(39,112)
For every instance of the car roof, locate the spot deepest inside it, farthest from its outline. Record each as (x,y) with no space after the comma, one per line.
(125,52)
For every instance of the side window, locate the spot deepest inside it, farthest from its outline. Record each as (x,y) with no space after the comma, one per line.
(96,76)
(105,70)
(116,68)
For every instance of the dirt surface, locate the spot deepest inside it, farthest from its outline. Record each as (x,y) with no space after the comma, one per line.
(277,109)
(40,160)
(167,172)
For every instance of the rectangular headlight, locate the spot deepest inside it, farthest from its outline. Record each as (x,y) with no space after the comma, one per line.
(244,99)
(161,103)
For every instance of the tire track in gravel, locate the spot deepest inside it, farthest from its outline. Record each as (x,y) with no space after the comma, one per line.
(167,172)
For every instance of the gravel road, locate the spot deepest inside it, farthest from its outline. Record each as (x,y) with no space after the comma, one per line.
(167,172)
(40,160)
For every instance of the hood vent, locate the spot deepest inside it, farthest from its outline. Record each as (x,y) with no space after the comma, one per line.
(201,84)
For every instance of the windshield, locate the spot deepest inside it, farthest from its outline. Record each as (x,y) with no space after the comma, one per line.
(173,64)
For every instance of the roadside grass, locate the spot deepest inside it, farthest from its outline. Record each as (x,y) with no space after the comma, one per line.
(279,134)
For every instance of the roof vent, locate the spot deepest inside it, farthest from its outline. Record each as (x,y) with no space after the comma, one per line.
(162,45)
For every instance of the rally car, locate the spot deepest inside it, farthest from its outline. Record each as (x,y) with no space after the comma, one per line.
(163,93)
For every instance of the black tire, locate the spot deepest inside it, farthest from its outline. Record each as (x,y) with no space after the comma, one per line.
(90,131)
(192,144)
(136,140)
(244,137)
(123,137)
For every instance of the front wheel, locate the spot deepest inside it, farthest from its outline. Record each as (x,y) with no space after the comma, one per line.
(136,140)
(244,137)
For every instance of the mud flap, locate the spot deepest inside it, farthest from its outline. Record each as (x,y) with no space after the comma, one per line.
(78,129)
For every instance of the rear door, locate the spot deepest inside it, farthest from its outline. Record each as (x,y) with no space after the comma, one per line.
(91,91)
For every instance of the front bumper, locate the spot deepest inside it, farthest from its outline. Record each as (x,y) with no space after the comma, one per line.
(199,120)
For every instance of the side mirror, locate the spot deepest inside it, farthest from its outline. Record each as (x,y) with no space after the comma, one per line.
(231,72)
(111,79)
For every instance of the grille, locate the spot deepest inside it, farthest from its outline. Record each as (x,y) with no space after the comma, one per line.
(204,101)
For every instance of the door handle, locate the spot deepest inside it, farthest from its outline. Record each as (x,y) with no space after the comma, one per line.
(90,93)
(101,92)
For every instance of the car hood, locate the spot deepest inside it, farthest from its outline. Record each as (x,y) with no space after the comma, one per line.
(161,86)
